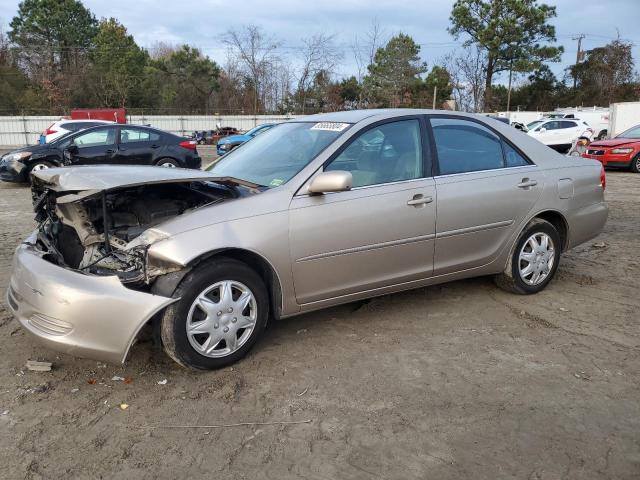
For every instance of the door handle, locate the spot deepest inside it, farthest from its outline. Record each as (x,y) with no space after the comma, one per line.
(526,183)
(111,151)
(419,200)
(154,146)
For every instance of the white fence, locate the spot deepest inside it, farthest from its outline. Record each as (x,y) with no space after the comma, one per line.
(19,131)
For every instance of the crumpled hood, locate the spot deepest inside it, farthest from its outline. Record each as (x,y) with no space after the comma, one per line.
(107,177)
(613,142)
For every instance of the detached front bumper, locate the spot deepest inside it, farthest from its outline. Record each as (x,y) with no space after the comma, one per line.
(83,315)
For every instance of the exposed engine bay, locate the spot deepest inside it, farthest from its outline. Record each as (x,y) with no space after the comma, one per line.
(103,232)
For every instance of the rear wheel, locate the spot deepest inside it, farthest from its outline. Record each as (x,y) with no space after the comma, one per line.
(222,311)
(167,162)
(534,261)
(635,164)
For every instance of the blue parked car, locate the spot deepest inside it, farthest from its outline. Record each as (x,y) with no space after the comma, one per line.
(227,144)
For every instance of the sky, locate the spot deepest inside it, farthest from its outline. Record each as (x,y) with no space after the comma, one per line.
(201,23)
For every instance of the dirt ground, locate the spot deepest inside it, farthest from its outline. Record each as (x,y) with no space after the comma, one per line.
(448,382)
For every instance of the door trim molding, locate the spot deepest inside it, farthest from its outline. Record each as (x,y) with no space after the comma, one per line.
(477,228)
(364,248)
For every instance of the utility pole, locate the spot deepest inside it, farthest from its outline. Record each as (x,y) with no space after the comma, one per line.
(509,90)
(435,94)
(578,57)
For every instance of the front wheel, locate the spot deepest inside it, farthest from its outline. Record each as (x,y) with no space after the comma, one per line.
(38,166)
(534,260)
(222,311)
(635,164)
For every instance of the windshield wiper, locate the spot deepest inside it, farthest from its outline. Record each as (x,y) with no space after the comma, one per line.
(237,181)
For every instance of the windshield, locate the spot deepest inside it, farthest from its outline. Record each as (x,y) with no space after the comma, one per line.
(633,132)
(273,158)
(532,125)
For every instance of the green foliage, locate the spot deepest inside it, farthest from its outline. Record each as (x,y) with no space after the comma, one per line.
(350,90)
(118,64)
(57,25)
(513,33)
(185,79)
(395,69)
(606,74)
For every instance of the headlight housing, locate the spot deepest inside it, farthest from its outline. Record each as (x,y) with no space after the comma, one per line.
(147,238)
(622,151)
(16,157)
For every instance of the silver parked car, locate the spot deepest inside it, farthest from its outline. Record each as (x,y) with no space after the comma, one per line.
(316,212)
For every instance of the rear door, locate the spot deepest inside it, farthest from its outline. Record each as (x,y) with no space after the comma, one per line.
(485,188)
(137,146)
(96,146)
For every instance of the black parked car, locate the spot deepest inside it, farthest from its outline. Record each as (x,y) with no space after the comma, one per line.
(110,144)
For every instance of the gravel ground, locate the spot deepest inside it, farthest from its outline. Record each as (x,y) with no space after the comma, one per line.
(448,382)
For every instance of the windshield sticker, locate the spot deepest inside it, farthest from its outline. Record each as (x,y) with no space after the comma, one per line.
(330,126)
(276,182)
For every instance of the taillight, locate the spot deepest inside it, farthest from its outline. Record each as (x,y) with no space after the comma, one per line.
(189,144)
(50,130)
(603,178)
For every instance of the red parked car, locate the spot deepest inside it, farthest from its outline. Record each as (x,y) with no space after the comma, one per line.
(620,151)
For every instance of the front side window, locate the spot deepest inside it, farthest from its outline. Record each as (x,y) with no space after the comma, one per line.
(464,146)
(276,156)
(96,138)
(390,152)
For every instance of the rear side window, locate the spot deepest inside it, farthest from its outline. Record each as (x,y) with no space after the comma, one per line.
(465,146)
(566,124)
(512,158)
(131,135)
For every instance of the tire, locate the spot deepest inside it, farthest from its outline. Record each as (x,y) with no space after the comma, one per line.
(216,324)
(546,264)
(167,162)
(635,164)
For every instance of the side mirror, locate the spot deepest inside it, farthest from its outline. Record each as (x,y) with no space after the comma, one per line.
(334,181)
(542,130)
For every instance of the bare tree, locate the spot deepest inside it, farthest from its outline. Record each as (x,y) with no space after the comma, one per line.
(319,54)
(364,52)
(467,71)
(162,50)
(256,53)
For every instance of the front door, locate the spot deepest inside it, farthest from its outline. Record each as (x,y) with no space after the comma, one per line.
(381,232)
(485,189)
(96,146)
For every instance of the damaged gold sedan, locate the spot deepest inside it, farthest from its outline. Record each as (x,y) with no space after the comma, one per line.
(313,213)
